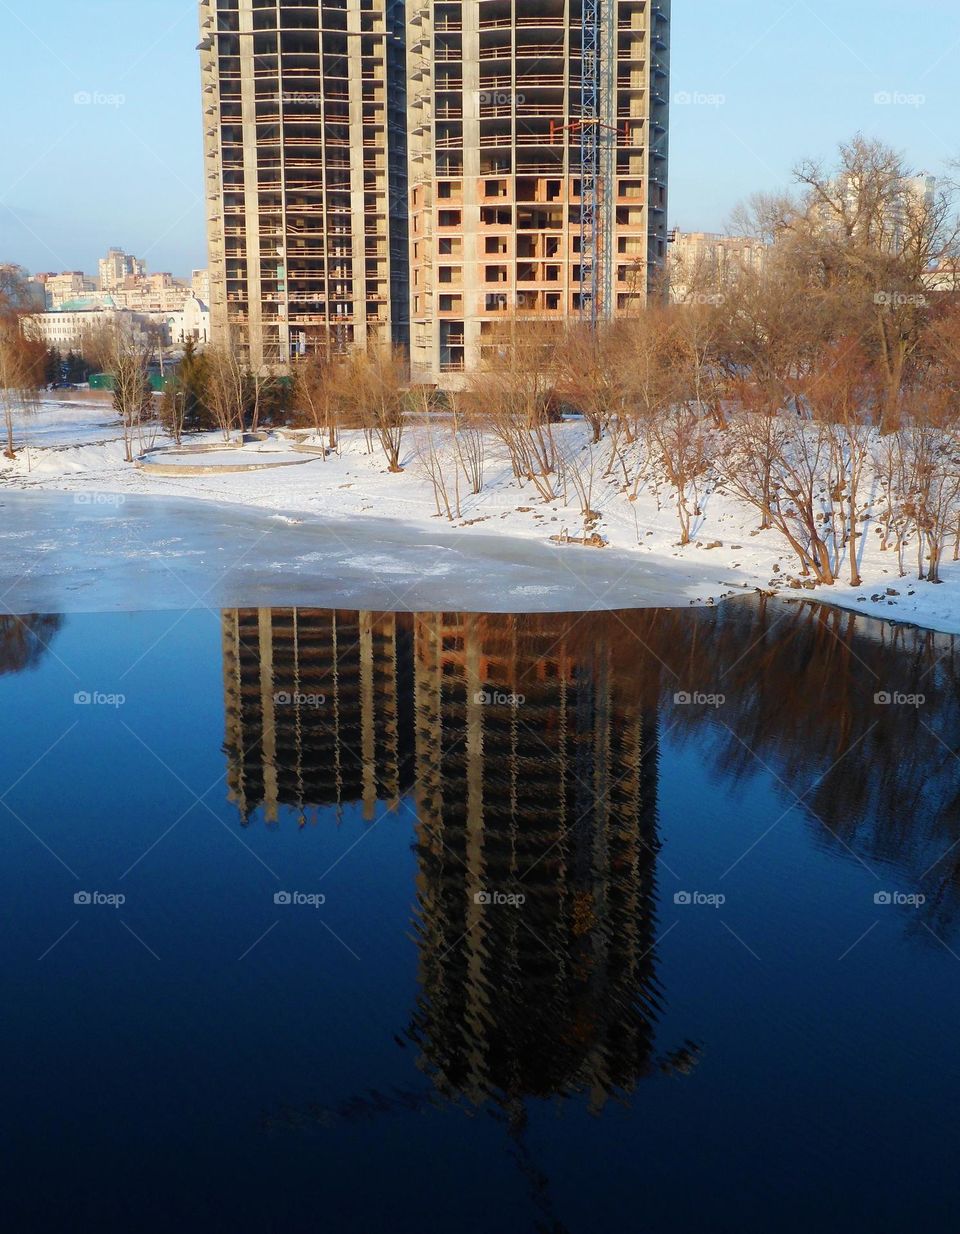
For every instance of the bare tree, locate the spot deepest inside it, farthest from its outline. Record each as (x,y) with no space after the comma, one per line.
(931,498)
(22,362)
(889,468)
(579,469)
(317,394)
(680,446)
(840,390)
(870,230)
(515,392)
(22,358)
(129,367)
(227,389)
(591,376)
(779,465)
(697,331)
(470,443)
(432,442)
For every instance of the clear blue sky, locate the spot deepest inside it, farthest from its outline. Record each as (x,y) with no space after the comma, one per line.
(769,81)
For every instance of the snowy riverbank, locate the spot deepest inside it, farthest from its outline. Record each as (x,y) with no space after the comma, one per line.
(341,530)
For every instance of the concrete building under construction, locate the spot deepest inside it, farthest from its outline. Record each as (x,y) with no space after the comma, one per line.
(419,173)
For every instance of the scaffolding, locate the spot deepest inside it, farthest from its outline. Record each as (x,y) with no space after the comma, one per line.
(590,266)
(596,158)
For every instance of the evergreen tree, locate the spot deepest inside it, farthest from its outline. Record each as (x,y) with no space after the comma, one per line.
(184,408)
(53,367)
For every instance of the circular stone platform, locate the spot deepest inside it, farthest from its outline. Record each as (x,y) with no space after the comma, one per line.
(218,459)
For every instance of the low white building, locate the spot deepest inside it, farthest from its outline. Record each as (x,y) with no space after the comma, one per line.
(66,329)
(191,322)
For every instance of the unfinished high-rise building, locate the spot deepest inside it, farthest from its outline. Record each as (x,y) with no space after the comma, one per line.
(420,173)
(305,173)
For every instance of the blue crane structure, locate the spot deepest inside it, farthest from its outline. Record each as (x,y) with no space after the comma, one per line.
(597,131)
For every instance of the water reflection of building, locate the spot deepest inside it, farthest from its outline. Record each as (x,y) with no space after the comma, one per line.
(313,703)
(533,756)
(537,775)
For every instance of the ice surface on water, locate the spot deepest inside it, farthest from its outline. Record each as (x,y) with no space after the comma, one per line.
(162,553)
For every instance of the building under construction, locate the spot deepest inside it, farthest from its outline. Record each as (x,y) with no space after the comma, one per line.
(312,700)
(537,774)
(420,173)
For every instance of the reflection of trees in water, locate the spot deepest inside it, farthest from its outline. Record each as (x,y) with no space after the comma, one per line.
(552,793)
(882,779)
(24,640)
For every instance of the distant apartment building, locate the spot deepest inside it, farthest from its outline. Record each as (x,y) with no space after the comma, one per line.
(117,267)
(152,293)
(415,174)
(60,289)
(702,263)
(200,285)
(886,219)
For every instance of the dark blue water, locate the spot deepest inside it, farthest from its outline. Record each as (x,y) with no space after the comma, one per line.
(588,958)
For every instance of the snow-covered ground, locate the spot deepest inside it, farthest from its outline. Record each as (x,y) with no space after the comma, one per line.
(341,530)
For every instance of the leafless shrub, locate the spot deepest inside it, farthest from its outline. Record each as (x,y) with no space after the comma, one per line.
(681,448)
(470,442)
